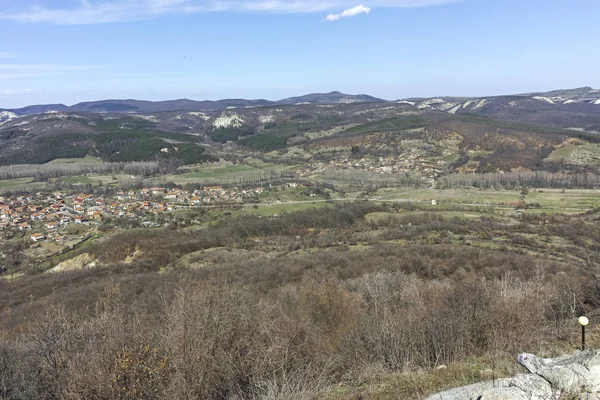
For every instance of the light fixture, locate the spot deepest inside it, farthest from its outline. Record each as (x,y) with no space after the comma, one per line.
(583,321)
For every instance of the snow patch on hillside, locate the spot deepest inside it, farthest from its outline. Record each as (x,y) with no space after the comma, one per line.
(228,120)
(569,102)
(447,106)
(53,115)
(542,98)
(412,103)
(455,109)
(597,102)
(6,116)
(199,114)
(481,103)
(264,119)
(348,100)
(150,118)
(430,103)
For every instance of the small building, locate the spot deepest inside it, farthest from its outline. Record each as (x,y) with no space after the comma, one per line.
(37,237)
(52,225)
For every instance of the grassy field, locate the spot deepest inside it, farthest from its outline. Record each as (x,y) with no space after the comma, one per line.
(473,196)
(588,153)
(84,160)
(567,200)
(95,180)
(563,153)
(227,173)
(17,184)
(550,200)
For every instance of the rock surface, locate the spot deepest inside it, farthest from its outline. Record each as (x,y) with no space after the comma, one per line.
(576,375)
(82,261)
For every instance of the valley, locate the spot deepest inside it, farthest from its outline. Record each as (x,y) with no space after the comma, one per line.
(327,246)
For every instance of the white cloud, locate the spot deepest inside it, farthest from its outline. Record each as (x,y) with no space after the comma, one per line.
(17,92)
(350,12)
(5,54)
(105,11)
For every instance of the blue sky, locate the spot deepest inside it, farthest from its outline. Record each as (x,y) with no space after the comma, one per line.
(67,51)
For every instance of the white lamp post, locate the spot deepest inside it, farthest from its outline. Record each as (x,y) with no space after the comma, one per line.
(583,321)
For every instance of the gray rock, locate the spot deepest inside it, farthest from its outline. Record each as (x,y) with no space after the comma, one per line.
(536,387)
(505,393)
(548,379)
(471,392)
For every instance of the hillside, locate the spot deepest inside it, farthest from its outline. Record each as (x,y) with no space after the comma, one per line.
(458,142)
(42,138)
(571,108)
(323,300)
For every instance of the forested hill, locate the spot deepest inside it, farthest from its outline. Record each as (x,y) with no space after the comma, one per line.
(496,134)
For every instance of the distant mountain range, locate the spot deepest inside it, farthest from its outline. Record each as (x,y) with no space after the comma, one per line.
(140,106)
(500,106)
(501,132)
(569,108)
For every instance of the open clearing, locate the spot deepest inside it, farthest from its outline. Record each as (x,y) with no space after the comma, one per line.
(84,160)
(549,200)
(17,184)
(577,154)
(96,180)
(228,173)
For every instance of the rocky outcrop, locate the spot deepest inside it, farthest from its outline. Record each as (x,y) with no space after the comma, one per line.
(82,261)
(577,375)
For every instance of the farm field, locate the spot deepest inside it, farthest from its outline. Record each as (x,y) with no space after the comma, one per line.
(19,184)
(226,173)
(96,180)
(551,200)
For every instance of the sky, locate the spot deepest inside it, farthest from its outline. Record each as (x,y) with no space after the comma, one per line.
(68,51)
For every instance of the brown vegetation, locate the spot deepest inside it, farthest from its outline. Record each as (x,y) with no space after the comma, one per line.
(320,313)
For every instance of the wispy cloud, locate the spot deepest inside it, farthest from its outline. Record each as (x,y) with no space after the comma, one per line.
(17,92)
(5,54)
(105,11)
(15,71)
(350,12)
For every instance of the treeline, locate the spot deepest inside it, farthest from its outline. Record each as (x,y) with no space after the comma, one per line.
(231,134)
(118,146)
(515,180)
(78,168)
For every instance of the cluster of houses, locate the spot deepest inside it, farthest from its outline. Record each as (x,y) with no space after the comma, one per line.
(45,215)
(405,163)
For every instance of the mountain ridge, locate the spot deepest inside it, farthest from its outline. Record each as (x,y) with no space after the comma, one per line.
(147,106)
(453,104)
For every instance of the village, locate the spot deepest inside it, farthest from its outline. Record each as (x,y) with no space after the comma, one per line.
(44,217)
(410,163)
